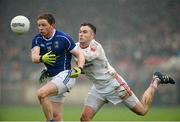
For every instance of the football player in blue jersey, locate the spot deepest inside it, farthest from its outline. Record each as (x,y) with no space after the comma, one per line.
(55,49)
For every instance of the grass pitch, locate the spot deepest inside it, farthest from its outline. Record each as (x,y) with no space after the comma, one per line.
(107,113)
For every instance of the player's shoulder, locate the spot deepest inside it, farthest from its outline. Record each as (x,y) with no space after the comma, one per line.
(77,44)
(96,44)
(62,35)
(37,37)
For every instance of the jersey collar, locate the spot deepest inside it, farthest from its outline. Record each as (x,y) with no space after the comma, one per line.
(54,31)
(87,45)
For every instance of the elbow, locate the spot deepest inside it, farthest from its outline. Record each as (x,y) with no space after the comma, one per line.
(34,60)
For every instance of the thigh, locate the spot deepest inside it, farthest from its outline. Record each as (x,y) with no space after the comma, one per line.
(63,82)
(60,98)
(94,101)
(48,89)
(118,90)
(91,107)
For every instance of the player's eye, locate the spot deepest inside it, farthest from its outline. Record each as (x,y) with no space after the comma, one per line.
(84,31)
(44,25)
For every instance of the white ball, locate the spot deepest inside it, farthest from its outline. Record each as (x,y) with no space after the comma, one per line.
(20,24)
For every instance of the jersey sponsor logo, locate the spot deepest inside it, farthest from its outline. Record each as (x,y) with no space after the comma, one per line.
(56,44)
(42,45)
(93,49)
(49,43)
(49,48)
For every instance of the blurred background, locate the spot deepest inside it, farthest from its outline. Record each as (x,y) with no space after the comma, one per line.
(139,37)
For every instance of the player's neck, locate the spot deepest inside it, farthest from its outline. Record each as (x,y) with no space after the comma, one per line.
(50,35)
(84,45)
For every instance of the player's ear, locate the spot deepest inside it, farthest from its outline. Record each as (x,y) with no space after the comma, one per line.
(93,35)
(53,25)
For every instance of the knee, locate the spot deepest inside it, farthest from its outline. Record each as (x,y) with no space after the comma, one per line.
(40,94)
(142,112)
(85,118)
(57,117)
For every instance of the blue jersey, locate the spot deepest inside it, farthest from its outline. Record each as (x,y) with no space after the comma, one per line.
(60,44)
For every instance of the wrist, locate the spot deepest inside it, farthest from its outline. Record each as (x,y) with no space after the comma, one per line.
(80,68)
(40,59)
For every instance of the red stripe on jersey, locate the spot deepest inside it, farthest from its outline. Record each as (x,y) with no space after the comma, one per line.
(123,84)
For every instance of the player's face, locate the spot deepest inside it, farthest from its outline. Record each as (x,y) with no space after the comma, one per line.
(45,28)
(85,34)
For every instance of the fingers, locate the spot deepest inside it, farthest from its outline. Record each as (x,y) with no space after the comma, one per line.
(77,70)
(50,58)
(49,52)
(52,62)
(76,73)
(53,56)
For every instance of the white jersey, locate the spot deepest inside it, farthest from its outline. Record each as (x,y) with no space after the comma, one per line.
(97,67)
(107,84)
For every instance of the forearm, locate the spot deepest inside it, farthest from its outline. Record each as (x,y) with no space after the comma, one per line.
(35,57)
(81,60)
(80,63)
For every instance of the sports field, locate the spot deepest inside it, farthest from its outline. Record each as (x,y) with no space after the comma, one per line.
(108,113)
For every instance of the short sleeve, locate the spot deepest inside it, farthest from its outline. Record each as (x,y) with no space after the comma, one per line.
(35,42)
(70,44)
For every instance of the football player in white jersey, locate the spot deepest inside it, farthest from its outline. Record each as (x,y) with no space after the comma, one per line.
(108,85)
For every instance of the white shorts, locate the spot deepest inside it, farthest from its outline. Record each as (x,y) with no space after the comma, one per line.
(116,91)
(63,83)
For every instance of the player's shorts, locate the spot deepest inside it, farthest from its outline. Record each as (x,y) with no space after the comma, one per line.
(63,83)
(116,91)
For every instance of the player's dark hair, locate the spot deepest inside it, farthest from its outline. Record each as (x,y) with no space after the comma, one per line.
(49,17)
(89,25)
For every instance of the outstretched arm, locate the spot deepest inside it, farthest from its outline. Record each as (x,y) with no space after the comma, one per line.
(80,57)
(80,63)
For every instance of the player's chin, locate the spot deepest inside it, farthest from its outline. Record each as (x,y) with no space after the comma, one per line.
(81,40)
(42,33)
